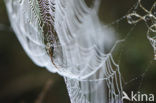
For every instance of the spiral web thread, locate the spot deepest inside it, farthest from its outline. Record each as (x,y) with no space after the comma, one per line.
(55,35)
(106,89)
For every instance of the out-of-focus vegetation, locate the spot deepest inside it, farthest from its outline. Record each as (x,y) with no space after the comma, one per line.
(21,81)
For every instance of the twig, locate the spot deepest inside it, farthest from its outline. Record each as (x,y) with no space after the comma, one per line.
(44,92)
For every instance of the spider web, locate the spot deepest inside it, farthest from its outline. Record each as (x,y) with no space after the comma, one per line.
(55,35)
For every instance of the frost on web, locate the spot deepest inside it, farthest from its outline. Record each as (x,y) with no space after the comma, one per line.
(104,86)
(148,15)
(67,37)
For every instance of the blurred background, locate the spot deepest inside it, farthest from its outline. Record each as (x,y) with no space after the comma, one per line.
(21,81)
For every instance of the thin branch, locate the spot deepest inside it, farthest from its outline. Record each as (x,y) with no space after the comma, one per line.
(44,92)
